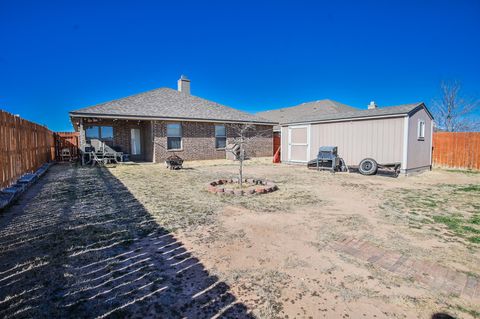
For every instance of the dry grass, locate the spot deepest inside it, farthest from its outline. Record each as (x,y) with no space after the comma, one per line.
(451,212)
(142,240)
(403,211)
(178,199)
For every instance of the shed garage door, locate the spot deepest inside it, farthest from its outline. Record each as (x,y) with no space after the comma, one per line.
(298,149)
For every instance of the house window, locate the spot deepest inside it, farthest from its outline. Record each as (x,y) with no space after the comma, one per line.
(220,136)
(421,130)
(174,136)
(106,132)
(92,132)
(103,133)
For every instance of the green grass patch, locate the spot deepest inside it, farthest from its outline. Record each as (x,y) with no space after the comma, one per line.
(454,208)
(475,219)
(470,188)
(429,202)
(474,239)
(463,171)
(451,222)
(426,221)
(470,229)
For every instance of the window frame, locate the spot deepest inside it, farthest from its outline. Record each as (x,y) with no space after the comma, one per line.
(421,130)
(99,133)
(179,136)
(96,127)
(220,136)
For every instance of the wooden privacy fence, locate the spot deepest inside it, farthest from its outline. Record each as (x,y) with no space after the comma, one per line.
(24,147)
(456,150)
(67,140)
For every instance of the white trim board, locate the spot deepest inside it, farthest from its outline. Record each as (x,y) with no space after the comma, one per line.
(346,119)
(431,142)
(405,143)
(308,144)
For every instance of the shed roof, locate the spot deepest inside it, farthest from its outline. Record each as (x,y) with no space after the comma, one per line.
(167,103)
(314,112)
(306,110)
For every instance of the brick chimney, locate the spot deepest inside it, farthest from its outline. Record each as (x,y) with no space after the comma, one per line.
(372,105)
(184,85)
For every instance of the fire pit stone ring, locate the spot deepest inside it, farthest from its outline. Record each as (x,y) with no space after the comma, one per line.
(231,187)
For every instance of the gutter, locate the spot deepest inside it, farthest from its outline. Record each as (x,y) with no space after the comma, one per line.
(346,119)
(155,118)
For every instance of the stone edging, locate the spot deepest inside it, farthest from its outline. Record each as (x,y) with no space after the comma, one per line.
(10,194)
(261,187)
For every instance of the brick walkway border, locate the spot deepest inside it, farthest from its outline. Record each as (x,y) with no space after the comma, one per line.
(433,275)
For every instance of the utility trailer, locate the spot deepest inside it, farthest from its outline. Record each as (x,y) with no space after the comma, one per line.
(328,159)
(368,166)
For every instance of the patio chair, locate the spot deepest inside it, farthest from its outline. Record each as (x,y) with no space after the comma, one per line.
(110,154)
(86,154)
(99,158)
(65,155)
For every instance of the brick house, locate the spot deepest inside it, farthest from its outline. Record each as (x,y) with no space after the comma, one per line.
(153,125)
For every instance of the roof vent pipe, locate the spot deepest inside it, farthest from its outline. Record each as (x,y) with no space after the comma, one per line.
(372,105)
(184,85)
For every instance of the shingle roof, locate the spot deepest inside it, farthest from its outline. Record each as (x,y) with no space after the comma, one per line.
(327,110)
(306,110)
(356,113)
(168,103)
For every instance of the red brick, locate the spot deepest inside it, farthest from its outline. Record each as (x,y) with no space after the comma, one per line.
(199,141)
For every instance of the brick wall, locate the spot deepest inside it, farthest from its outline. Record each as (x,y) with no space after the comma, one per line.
(122,136)
(198,141)
(262,142)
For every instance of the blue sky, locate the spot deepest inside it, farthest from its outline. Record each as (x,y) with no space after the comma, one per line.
(57,56)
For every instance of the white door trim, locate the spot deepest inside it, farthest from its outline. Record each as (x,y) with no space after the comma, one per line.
(300,144)
(136,141)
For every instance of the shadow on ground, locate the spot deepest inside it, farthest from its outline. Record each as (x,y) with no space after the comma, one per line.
(78,244)
(380,172)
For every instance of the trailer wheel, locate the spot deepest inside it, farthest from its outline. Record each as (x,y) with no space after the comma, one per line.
(368,166)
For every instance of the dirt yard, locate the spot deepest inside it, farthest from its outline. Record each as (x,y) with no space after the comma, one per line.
(141,240)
